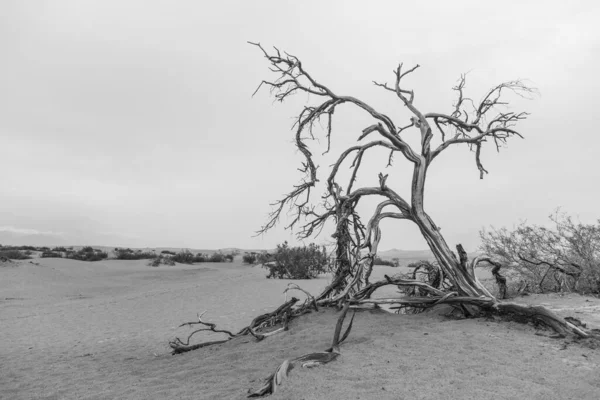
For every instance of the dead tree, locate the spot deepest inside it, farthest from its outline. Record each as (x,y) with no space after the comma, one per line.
(452,279)
(469,123)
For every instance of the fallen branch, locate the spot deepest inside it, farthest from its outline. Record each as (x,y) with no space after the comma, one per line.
(281,315)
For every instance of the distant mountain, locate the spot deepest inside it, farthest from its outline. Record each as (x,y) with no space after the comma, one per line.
(8,238)
(413,255)
(406,254)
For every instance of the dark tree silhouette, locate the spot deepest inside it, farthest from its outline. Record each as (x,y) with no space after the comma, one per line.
(451,280)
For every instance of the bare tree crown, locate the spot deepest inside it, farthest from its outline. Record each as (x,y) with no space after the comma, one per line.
(471,123)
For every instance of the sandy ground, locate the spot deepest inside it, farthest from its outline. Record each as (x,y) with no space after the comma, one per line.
(77,330)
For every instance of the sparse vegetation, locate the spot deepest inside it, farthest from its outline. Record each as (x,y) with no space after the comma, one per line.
(184,257)
(249,258)
(187,257)
(305,262)
(161,259)
(390,263)
(14,254)
(220,257)
(51,254)
(128,254)
(87,254)
(200,257)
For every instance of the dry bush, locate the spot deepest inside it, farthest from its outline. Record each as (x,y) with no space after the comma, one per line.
(87,254)
(161,259)
(565,257)
(51,254)
(249,258)
(14,255)
(128,254)
(305,262)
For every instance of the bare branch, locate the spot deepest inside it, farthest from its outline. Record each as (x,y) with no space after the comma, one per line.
(470,125)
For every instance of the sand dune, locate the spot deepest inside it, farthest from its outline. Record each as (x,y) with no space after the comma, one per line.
(76,330)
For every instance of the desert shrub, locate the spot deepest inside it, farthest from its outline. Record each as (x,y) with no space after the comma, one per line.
(249,258)
(19,248)
(305,262)
(220,257)
(264,257)
(87,254)
(183,257)
(389,263)
(128,254)
(200,258)
(171,253)
(565,257)
(216,257)
(14,255)
(59,249)
(161,259)
(51,254)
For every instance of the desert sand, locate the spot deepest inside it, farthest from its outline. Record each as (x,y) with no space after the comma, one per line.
(77,330)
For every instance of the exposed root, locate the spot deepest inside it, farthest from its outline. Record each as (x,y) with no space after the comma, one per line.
(542,315)
(272,383)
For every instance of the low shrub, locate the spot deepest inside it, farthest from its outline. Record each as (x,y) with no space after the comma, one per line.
(305,262)
(389,263)
(51,254)
(220,257)
(216,257)
(14,255)
(183,257)
(87,254)
(249,258)
(200,258)
(565,257)
(187,257)
(161,259)
(128,254)
(171,253)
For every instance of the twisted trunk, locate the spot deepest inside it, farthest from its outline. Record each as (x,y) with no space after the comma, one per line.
(457,270)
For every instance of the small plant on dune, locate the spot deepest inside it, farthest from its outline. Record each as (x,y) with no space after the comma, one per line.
(161,259)
(249,258)
(14,255)
(87,254)
(51,254)
(200,258)
(220,257)
(389,263)
(128,254)
(183,257)
(171,253)
(304,262)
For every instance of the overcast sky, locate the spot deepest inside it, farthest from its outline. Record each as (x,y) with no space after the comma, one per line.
(131,123)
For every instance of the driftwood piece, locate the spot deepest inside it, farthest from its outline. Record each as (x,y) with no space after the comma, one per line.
(281,315)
